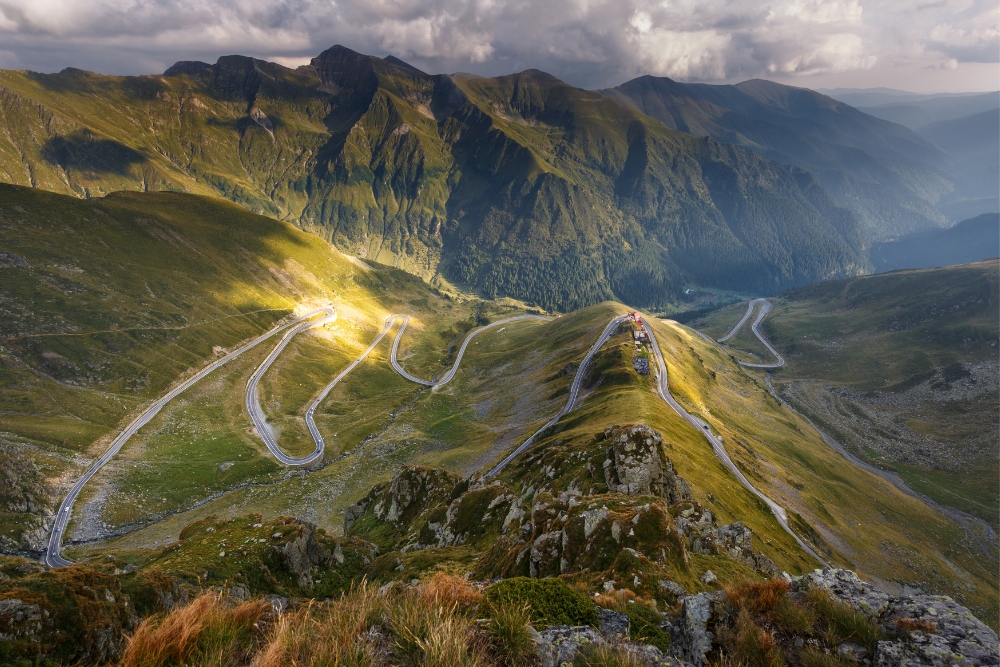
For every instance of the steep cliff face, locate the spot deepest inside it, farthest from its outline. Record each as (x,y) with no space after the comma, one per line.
(517,186)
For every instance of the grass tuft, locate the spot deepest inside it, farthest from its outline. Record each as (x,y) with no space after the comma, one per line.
(205,632)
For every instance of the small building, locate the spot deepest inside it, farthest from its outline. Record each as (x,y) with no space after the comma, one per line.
(640,337)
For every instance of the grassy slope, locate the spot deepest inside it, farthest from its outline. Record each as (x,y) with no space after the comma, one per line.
(511,381)
(866,522)
(845,507)
(901,368)
(149,285)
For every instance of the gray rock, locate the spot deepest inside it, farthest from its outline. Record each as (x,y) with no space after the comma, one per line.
(672,587)
(650,656)
(852,652)
(736,541)
(560,644)
(709,577)
(21,621)
(690,638)
(9,260)
(845,586)
(614,624)
(278,603)
(936,631)
(303,552)
(636,465)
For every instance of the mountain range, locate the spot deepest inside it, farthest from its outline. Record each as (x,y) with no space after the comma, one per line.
(886,174)
(516,186)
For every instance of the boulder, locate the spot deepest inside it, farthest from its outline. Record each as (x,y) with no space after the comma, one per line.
(736,541)
(935,630)
(636,465)
(558,645)
(303,552)
(846,587)
(614,624)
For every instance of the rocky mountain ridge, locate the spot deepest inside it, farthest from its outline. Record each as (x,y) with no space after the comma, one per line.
(517,186)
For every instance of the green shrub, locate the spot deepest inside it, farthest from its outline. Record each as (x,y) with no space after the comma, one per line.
(644,625)
(551,601)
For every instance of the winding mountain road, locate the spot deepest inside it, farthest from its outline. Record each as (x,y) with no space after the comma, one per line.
(53,556)
(53,552)
(764,310)
(715,441)
(405,320)
(574,391)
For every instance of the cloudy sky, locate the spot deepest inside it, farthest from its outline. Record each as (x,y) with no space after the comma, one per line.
(920,45)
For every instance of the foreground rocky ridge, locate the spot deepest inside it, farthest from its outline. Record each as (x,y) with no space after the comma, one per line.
(609,556)
(636,526)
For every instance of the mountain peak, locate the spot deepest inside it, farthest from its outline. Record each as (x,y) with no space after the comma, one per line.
(186,67)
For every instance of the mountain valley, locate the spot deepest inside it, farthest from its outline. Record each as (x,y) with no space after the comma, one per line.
(354,364)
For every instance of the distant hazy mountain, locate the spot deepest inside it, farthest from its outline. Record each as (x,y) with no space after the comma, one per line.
(916,113)
(969,241)
(519,186)
(973,144)
(863,98)
(886,174)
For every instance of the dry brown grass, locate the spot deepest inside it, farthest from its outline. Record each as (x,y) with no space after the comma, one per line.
(334,634)
(207,627)
(616,599)
(757,598)
(447,590)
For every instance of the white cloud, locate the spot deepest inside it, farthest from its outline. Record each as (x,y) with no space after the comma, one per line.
(588,42)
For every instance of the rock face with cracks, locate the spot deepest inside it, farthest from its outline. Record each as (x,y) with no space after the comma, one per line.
(636,465)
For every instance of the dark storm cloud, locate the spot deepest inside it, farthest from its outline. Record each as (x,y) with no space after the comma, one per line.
(590,43)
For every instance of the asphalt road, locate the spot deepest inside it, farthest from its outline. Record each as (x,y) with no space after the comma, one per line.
(446,378)
(53,557)
(574,391)
(260,420)
(257,416)
(715,441)
(764,310)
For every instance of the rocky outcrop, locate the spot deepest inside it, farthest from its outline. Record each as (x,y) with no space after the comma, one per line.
(929,629)
(302,553)
(736,541)
(935,630)
(67,616)
(636,465)
(846,587)
(20,620)
(690,637)
(402,505)
(559,645)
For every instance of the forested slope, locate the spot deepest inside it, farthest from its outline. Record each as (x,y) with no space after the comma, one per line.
(519,185)
(888,175)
